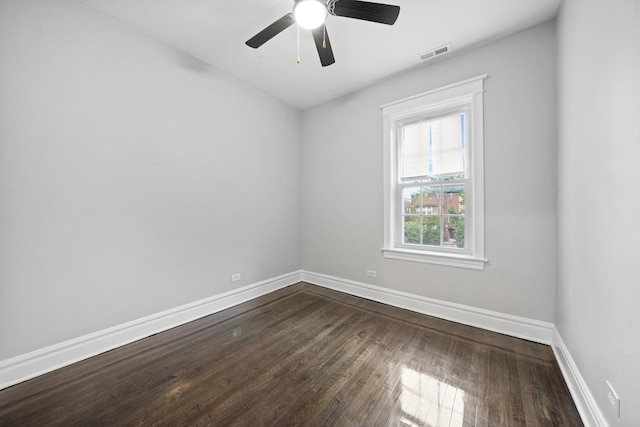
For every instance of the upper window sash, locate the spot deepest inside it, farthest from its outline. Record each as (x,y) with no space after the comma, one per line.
(460,115)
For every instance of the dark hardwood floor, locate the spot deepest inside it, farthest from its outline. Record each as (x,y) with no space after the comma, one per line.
(305,355)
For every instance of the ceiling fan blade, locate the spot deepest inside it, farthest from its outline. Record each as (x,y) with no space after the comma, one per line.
(367,11)
(321,37)
(271,31)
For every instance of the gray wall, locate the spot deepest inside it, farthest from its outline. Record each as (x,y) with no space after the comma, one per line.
(133,178)
(342,213)
(598,290)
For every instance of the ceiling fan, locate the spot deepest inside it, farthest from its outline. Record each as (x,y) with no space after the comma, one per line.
(311,14)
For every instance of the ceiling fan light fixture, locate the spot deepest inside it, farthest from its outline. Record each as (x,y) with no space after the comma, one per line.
(310,14)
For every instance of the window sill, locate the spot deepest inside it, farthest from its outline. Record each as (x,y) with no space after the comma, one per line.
(450,260)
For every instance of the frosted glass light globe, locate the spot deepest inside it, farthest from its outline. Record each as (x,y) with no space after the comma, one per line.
(310,14)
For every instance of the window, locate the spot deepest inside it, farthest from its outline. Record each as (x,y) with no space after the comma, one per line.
(434,176)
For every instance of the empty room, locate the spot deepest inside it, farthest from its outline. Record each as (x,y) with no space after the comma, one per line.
(310,212)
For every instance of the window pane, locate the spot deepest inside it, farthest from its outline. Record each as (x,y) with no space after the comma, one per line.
(453,198)
(431,230)
(447,146)
(431,200)
(453,206)
(415,150)
(454,231)
(412,231)
(433,148)
(411,200)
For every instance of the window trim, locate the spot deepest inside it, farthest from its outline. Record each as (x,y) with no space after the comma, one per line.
(454,96)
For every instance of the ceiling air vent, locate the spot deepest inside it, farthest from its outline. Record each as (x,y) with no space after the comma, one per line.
(430,54)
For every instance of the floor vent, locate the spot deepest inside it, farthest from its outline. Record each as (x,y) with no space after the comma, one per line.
(430,54)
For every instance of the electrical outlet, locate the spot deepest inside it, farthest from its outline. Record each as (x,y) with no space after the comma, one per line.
(371,273)
(235,277)
(614,399)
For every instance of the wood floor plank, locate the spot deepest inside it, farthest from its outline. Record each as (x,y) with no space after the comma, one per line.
(305,356)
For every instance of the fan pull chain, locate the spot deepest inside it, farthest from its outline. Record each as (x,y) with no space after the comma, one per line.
(324,36)
(298,58)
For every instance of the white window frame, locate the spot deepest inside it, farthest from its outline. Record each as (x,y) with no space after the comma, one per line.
(467,95)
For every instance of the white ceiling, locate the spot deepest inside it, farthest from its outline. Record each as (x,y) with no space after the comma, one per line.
(214,32)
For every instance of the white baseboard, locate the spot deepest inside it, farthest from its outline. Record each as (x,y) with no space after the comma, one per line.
(582,397)
(520,327)
(41,361)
